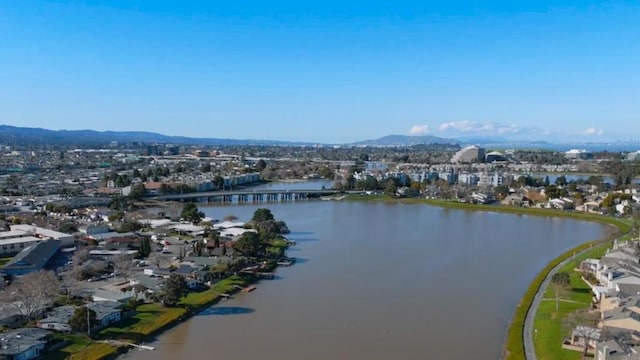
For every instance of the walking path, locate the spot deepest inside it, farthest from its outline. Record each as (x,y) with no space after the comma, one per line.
(528,332)
(565,300)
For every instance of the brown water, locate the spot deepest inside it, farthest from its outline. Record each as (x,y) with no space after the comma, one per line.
(380,281)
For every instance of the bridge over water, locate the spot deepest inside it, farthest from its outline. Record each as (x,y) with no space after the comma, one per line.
(255,195)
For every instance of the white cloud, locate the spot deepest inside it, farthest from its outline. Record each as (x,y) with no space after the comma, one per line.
(592,131)
(467,126)
(420,129)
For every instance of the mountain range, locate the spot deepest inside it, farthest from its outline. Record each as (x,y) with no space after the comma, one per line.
(24,136)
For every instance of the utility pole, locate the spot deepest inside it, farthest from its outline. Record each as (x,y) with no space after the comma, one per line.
(88,322)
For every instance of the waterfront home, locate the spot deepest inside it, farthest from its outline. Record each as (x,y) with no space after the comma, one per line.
(23,344)
(624,317)
(107,312)
(105,295)
(579,338)
(516,200)
(481,198)
(183,270)
(617,349)
(58,318)
(145,285)
(589,266)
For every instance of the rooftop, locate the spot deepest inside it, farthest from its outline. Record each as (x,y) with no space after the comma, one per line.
(17,341)
(35,256)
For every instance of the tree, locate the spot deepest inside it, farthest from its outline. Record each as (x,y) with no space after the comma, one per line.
(561,180)
(130,226)
(68,227)
(261,165)
(582,323)
(218,182)
(219,270)
(249,244)
(137,192)
(145,247)
(32,293)
(561,278)
(116,215)
(262,214)
(122,265)
(156,259)
(501,190)
(560,282)
(69,282)
(197,247)
(174,288)
(81,321)
(191,213)
(80,256)
(390,187)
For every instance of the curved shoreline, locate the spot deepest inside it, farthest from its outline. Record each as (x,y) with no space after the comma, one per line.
(512,343)
(527,331)
(514,347)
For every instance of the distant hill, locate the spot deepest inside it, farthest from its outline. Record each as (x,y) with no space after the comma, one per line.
(405,140)
(29,137)
(22,136)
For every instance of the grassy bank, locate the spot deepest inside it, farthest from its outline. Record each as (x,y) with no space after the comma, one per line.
(81,347)
(149,319)
(548,320)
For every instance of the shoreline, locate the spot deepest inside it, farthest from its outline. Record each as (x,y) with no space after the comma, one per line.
(514,343)
(514,339)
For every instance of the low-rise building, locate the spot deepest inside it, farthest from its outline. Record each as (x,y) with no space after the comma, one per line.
(23,344)
(33,258)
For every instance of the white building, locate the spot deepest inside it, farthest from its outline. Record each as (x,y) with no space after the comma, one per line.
(469,154)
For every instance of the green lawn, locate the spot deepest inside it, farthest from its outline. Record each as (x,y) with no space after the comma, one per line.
(80,347)
(149,318)
(548,320)
(4,261)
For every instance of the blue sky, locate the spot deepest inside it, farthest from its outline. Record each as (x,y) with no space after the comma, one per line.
(324,71)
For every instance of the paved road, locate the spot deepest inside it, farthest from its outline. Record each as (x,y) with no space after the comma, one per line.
(529,350)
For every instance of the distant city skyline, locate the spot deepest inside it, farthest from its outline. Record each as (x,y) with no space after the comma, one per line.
(326,72)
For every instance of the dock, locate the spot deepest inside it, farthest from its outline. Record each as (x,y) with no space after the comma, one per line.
(267,275)
(124,343)
(245,289)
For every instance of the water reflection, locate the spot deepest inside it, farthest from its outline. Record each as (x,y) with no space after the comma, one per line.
(226,310)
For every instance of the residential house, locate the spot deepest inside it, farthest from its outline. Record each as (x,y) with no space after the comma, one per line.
(616,349)
(23,344)
(579,338)
(625,317)
(145,285)
(107,312)
(58,319)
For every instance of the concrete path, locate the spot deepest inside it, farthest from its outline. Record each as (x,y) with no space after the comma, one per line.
(529,331)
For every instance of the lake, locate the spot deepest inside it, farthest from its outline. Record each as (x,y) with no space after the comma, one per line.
(380,281)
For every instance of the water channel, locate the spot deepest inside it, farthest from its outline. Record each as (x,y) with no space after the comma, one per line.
(379,281)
